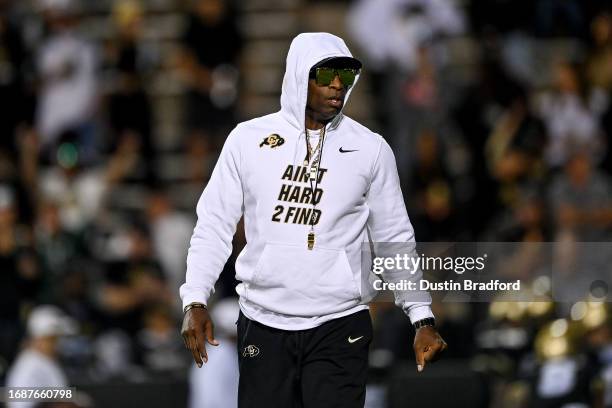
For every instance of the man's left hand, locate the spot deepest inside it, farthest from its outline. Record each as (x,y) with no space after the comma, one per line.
(428,346)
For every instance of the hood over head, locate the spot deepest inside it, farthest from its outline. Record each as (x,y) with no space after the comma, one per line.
(306,50)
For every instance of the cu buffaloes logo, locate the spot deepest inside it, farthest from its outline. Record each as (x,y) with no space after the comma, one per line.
(250,351)
(274,140)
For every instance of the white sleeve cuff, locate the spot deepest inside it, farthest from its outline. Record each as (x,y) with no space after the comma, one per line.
(417,313)
(194,296)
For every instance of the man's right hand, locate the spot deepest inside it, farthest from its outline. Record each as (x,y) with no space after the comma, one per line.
(197,329)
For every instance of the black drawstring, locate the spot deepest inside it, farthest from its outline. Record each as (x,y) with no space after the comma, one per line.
(307,158)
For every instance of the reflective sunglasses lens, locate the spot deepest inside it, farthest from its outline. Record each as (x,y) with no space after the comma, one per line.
(325,76)
(347,76)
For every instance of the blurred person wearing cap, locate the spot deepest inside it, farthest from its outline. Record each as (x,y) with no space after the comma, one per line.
(37,364)
(217,386)
(313,186)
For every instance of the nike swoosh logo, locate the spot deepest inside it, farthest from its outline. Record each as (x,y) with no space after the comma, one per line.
(347,151)
(350,340)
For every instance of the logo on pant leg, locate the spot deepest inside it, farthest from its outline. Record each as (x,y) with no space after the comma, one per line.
(250,351)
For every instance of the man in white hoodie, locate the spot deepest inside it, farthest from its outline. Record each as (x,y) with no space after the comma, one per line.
(313,186)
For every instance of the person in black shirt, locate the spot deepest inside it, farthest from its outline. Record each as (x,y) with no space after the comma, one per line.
(211,48)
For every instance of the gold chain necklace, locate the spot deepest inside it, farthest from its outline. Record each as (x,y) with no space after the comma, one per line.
(313,179)
(311,151)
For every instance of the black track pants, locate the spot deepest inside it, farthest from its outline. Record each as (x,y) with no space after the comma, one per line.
(323,367)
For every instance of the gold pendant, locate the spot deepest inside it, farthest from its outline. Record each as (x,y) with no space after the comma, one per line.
(311,240)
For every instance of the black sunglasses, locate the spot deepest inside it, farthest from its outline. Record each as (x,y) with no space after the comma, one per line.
(325,75)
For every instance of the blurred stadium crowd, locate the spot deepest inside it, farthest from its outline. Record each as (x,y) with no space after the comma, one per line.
(499,113)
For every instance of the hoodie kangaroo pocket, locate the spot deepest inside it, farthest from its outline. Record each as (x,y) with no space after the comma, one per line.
(292,280)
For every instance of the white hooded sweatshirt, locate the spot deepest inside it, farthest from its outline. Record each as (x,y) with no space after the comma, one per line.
(284,284)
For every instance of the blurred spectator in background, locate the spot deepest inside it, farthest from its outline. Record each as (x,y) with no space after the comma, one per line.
(435,199)
(20,276)
(78,190)
(597,328)
(567,113)
(67,66)
(581,198)
(514,149)
(525,221)
(480,104)
(400,42)
(158,343)
(129,108)
(114,357)
(392,32)
(127,303)
(15,98)
(563,18)
(581,201)
(74,296)
(57,247)
(599,64)
(599,71)
(560,372)
(216,385)
(133,281)
(37,365)
(209,60)
(170,234)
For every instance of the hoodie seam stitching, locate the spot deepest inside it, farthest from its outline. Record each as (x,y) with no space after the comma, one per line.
(374,166)
(242,184)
